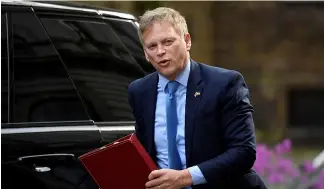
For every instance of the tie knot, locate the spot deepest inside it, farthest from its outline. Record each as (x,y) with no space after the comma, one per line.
(172,87)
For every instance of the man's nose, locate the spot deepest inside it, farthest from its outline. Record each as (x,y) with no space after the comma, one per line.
(160,50)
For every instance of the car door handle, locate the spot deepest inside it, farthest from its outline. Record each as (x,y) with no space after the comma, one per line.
(36,162)
(45,156)
(42,169)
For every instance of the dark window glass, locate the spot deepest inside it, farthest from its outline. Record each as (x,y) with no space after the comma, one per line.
(4,69)
(43,90)
(99,64)
(128,34)
(306,108)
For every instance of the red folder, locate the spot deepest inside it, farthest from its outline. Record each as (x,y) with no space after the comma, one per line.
(123,164)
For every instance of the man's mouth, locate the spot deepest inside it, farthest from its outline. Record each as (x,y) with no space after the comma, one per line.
(164,62)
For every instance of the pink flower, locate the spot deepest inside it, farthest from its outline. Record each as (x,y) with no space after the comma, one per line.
(284,147)
(308,166)
(276,178)
(275,166)
(286,166)
(321,177)
(263,158)
(318,185)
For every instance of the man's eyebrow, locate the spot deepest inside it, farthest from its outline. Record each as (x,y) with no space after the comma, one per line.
(169,38)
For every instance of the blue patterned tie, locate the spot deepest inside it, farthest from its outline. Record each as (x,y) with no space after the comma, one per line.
(172,125)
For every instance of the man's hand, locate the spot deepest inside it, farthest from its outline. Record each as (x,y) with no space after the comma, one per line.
(169,179)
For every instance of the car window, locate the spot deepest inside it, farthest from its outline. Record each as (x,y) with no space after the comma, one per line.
(4,69)
(128,34)
(98,62)
(43,90)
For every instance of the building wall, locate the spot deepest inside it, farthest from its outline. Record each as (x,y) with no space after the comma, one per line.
(276,46)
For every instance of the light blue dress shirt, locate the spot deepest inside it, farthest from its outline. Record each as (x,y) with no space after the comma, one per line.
(160,133)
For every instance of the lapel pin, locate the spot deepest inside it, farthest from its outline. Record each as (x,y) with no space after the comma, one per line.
(197,94)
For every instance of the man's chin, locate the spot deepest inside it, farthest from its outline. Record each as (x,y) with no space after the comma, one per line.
(168,75)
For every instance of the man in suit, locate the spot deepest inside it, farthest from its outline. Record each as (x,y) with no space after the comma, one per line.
(194,120)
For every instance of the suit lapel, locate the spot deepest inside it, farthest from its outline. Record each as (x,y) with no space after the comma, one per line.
(149,98)
(194,93)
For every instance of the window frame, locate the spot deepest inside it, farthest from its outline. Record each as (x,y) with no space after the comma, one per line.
(6,14)
(9,10)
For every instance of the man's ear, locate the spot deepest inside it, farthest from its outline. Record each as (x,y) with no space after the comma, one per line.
(187,39)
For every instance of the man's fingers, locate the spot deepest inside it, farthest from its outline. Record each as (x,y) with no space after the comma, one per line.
(153,183)
(152,175)
(155,178)
(155,174)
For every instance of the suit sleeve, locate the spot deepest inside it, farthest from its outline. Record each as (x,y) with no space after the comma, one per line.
(238,134)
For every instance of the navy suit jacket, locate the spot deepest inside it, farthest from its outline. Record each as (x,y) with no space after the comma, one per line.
(219,128)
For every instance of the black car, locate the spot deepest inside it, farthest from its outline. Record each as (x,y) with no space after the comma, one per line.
(64,77)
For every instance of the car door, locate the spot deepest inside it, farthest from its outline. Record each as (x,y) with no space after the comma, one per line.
(45,126)
(101,66)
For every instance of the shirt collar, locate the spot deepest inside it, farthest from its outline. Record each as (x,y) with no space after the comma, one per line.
(182,78)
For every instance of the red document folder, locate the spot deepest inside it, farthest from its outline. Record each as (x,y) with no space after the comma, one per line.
(123,164)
